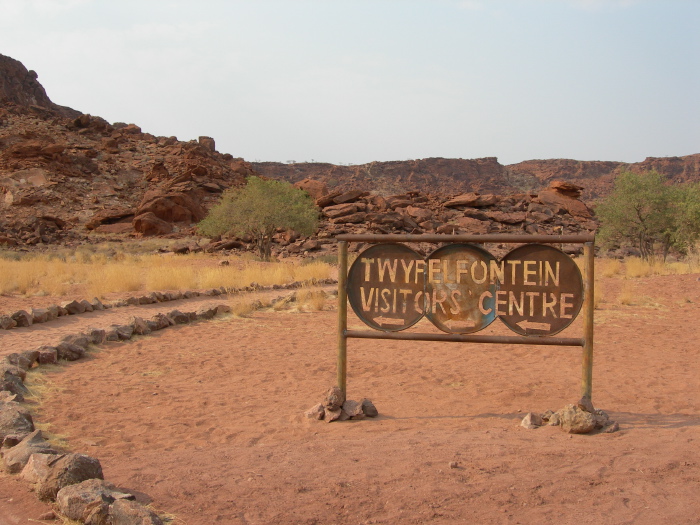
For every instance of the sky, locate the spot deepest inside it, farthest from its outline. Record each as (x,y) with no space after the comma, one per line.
(355,81)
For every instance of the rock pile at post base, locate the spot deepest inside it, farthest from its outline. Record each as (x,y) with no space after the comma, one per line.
(335,407)
(579,418)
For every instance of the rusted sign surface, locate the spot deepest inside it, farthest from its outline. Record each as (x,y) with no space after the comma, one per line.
(535,289)
(541,290)
(386,287)
(459,294)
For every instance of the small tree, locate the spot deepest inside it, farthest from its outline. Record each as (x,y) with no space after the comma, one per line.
(650,214)
(258,209)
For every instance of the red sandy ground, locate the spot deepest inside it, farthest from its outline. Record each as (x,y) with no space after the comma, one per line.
(207,420)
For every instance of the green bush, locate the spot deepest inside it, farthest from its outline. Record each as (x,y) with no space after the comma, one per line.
(260,208)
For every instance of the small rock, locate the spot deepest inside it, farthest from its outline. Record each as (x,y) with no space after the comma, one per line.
(531,421)
(610,428)
(22,318)
(334,398)
(17,457)
(454,464)
(69,351)
(47,516)
(353,409)
(585,404)
(316,412)
(73,307)
(331,414)
(47,355)
(575,420)
(369,409)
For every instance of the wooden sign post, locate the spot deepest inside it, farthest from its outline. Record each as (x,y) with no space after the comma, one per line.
(536,290)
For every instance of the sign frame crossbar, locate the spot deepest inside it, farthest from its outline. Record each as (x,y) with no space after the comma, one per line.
(585,342)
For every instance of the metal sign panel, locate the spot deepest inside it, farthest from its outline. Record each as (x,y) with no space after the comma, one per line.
(459,296)
(541,290)
(386,287)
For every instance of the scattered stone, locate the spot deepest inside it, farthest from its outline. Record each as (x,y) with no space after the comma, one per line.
(331,414)
(40,315)
(353,409)
(80,340)
(69,351)
(78,501)
(87,305)
(315,412)
(17,457)
(96,336)
(13,384)
(127,512)
(74,307)
(334,398)
(454,464)
(585,404)
(124,332)
(14,419)
(47,355)
(140,326)
(369,409)
(47,516)
(613,426)
(22,318)
(177,317)
(531,421)
(12,369)
(19,361)
(6,322)
(160,321)
(576,421)
(52,472)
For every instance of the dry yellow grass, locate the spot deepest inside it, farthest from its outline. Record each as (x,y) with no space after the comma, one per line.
(100,275)
(627,294)
(311,299)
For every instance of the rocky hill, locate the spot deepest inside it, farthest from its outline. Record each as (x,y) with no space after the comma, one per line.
(67,177)
(451,176)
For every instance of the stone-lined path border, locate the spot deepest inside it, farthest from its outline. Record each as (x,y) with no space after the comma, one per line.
(23,318)
(38,458)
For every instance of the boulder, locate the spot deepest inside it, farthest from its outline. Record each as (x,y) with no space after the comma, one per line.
(315,188)
(14,419)
(473,226)
(573,420)
(171,206)
(52,472)
(340,210)
(124,332)
(473,200)
(79,501)
(161,321)
(353,218)
(419,214)
(559,201)
(17,457)
(149,224)
(349,196)
(80,340)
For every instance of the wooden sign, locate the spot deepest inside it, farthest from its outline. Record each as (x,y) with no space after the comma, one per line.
(461,288)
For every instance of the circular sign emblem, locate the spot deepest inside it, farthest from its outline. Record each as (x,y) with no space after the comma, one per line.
(460,288)
(541,290)
(386,287)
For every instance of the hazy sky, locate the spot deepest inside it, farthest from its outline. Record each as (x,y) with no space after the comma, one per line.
(353,81)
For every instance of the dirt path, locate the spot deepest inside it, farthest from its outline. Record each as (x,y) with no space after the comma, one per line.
(207,420)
